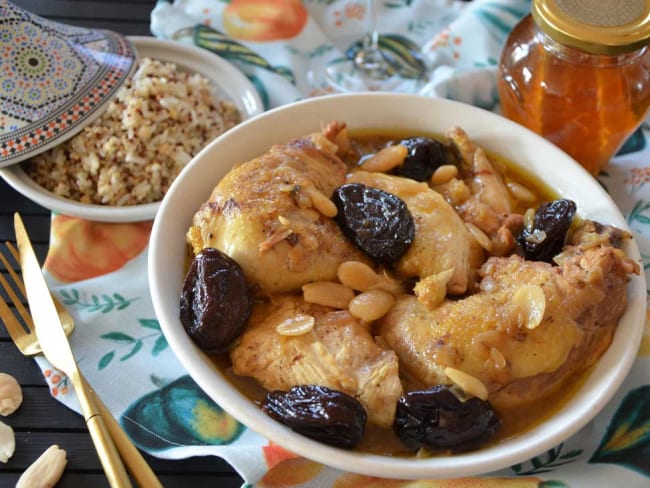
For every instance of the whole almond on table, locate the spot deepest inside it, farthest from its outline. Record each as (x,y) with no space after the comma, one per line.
(11,394)
(46,471)
(7,442)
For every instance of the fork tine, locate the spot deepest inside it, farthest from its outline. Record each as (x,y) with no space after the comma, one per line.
(12,324)
(18,282)
(24,340)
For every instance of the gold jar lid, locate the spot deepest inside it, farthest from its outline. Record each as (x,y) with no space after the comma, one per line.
(595,26)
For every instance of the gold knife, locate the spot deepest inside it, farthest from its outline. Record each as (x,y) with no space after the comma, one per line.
(56,349)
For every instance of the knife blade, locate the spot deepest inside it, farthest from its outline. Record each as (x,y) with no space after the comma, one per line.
(57,350)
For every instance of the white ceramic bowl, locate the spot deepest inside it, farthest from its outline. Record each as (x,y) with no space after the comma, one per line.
(229,82)
(388,111)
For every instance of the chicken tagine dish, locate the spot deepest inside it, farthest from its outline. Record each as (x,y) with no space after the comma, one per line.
(399,293)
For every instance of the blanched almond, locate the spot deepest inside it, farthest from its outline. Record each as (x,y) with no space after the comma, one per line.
(328,293)
(321,203)
(357,275)
(11,395)
(46,471)
(386,159)
(371,305)
(7,442)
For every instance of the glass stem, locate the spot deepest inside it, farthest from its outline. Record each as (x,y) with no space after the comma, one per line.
(369,58)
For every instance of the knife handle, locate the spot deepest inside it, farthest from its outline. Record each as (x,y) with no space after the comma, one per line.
(108,455)
(135,463)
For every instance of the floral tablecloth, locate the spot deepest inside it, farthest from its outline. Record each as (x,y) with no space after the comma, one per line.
(99,270)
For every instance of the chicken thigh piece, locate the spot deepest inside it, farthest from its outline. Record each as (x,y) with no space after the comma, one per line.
(442,241)
(273,215)
(339,353)
(529,328)
(490,205)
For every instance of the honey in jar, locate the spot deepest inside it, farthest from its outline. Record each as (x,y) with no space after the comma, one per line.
(578,73)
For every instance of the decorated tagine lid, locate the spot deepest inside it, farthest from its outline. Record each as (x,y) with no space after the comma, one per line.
(54,80)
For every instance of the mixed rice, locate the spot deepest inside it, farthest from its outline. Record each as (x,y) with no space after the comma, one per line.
(131,154)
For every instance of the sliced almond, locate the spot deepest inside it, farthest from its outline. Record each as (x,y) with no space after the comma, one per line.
(294,326)
(468,383)
(530,304)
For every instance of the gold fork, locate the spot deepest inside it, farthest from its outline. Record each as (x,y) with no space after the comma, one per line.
(25,339)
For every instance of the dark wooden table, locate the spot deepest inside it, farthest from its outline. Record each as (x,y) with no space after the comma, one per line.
(42,420)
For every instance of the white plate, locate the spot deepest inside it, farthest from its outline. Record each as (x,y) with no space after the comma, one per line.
(230,83)
(167,252)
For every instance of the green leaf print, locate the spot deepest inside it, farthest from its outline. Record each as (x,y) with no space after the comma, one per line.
(159,346)
(228,48)
(106,359)
(627,439)
(498,19)
(134,344)
(138,345)
(118,336)
(635,143)
(150,323)
(640,213)
(397,4)
(553,458)
(103,303)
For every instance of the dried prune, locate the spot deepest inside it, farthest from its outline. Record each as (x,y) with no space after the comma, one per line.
(320,413)
(436,419)
(424,156)
(216,301)
(548,234)
(378,222)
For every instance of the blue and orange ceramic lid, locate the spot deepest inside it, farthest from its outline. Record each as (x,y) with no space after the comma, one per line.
(54,80)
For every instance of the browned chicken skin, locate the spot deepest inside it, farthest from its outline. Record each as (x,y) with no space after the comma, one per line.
(493,336)
(265,214)
(490,205)
(339,352)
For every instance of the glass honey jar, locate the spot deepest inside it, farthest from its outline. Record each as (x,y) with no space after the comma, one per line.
(578,73)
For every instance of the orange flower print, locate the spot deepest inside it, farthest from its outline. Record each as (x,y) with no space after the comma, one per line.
(638,176)
(81,249)
(351,11)
(291,472)
(58,382)
(361,481)
(264,20)
(355,11)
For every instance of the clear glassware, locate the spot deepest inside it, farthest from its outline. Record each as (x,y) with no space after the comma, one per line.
(370,69)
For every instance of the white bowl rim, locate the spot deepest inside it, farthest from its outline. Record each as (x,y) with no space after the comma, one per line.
(184,55)
(610,370)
